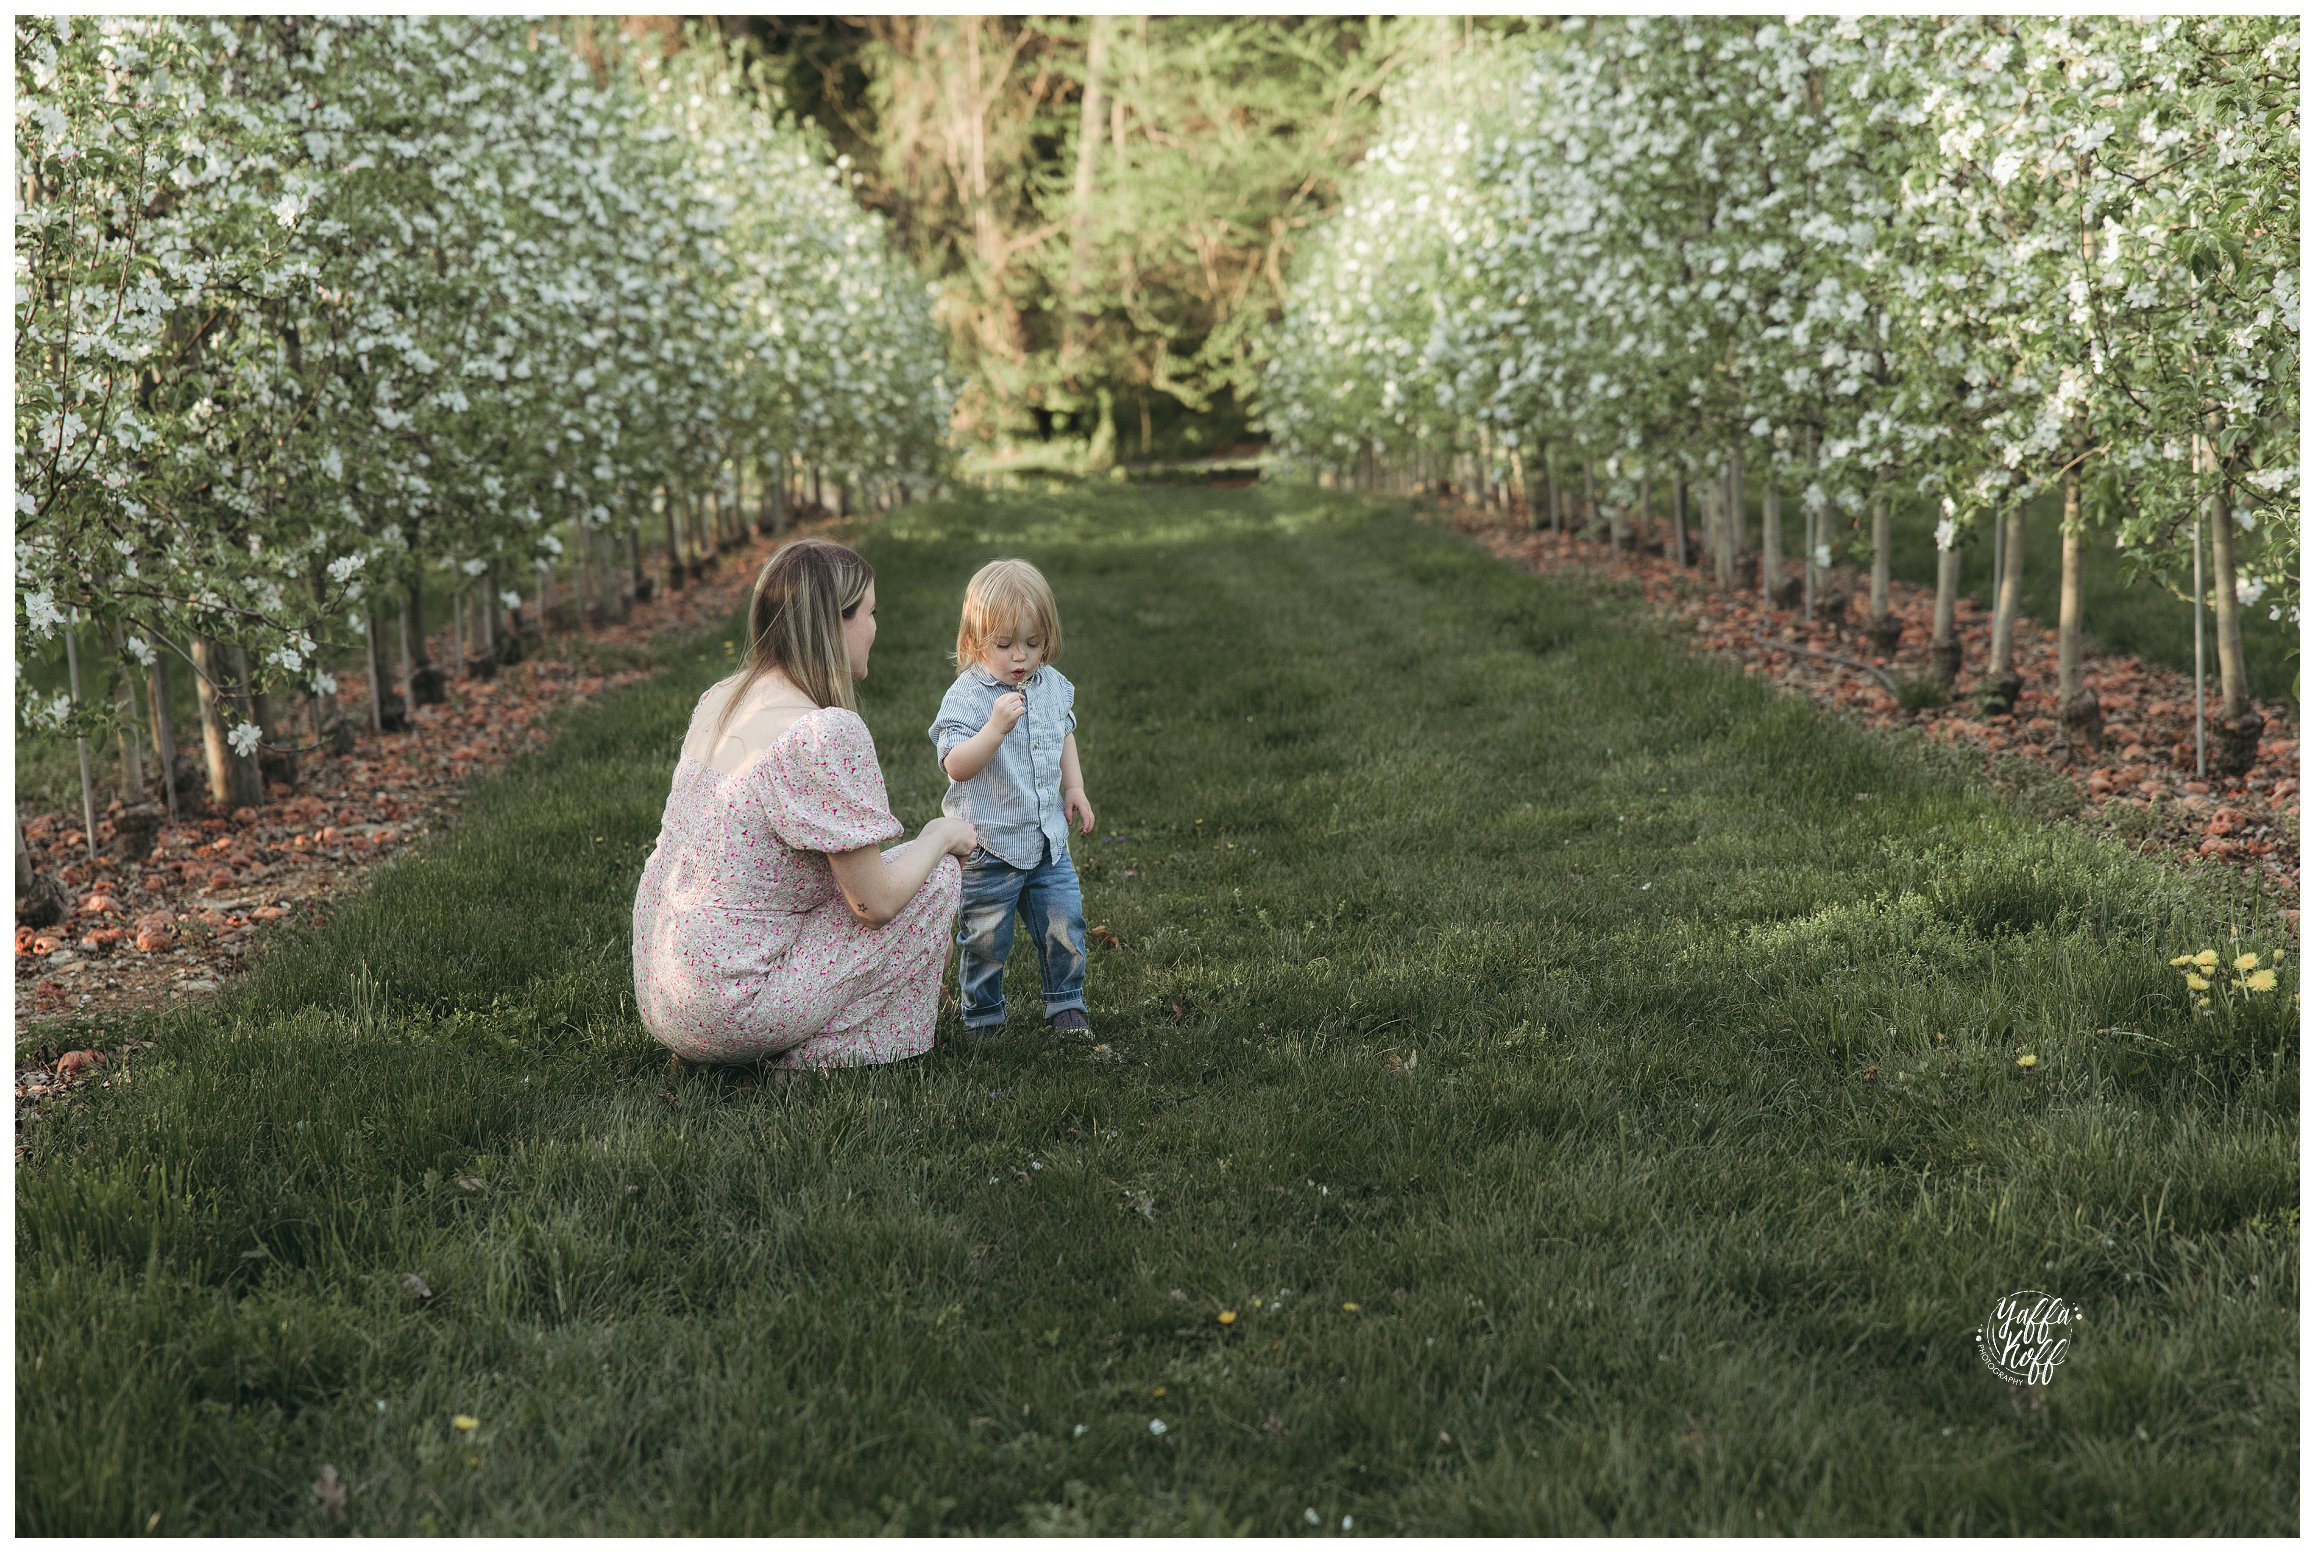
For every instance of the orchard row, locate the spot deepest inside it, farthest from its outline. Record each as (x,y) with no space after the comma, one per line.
(1902,269)
(317,314)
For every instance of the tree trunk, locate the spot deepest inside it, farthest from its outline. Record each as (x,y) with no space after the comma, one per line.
(1717,518)
(1811,519)
(2077,704)
(39,899)
(1945,643)
(384,717)
(233,780)
(1680,517)
(1092,109)
(490,609)
(276,761)
(426,681)
(668,501)
(1550,487)
(1735,530)
(80,742)
(125,714)
(164,728)
(409,669)
(2000,692)
(2236,748)
(1771,540)
(1885,628)
(1812,528)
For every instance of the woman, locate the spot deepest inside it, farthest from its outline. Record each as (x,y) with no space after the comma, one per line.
(768,923)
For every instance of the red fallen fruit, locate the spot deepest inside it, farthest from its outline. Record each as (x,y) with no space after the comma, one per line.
(269,913)
(25,938)
(2224,822)
(73,1064)
(154,940)
(222,879)
(103,939)
(96,904)
(155,883)
(330,836)
(245,815)
(46,943)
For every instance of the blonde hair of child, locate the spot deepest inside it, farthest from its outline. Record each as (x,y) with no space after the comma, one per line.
(796,619)
(1007,594)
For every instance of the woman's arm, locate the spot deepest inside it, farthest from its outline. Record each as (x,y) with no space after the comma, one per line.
(877,887)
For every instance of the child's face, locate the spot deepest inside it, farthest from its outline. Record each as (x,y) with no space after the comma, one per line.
(1013,653)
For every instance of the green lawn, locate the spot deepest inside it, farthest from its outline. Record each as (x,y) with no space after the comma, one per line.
(1487,965)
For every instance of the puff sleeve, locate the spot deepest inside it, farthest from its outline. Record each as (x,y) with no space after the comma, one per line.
(823,791)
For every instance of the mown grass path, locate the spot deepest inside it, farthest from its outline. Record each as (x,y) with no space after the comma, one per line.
(1487,966)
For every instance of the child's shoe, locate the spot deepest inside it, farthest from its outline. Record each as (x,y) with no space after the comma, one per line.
(1070,1021)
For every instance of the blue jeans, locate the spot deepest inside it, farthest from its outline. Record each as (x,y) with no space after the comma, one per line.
(1048,900)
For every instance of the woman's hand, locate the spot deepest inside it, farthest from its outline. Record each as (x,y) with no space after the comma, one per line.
(957,837)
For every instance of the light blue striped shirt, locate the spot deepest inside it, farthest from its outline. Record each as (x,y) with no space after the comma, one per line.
(1015,802)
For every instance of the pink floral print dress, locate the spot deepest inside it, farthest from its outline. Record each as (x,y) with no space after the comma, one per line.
(745,949)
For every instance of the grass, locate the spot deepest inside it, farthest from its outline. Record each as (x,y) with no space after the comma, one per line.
(1487,966)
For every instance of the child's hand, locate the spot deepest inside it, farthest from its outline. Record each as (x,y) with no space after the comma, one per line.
(1011,707)
(1074,806)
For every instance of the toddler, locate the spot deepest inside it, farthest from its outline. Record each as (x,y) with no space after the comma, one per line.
(1006,738)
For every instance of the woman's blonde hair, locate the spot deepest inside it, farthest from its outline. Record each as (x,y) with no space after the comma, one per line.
(1002,594)
(796,618)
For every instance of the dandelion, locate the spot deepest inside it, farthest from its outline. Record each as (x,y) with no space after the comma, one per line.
(2259,981)
(1157,1426)
(1228,1318)
(2246,962)
(2208,959)
(2177,960)
(466,1422)
(2196,983)
(1346,1523)
(1350,1307)
(1311,1516)
(2027,1060)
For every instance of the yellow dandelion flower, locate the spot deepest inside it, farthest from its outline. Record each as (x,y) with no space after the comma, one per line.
(2196,984)
(467,1422)
(2274,957)
(2208,959)
(1228,1318)
(2246,962)
(1257,1302)
(2182,959)
(1351,1306)
(1161,1391)
(2027,1060)
(2259,981)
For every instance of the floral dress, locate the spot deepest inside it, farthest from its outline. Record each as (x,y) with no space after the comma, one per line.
(745,949)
